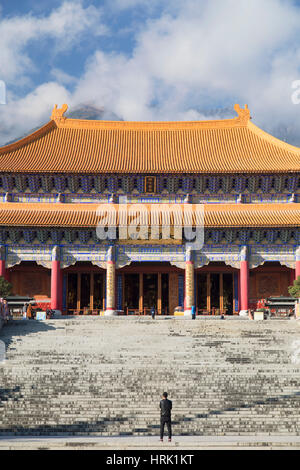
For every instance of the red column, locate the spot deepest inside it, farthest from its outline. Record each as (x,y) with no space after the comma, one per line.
(239,293)
(297,270)
(55,285)
(3,271)
(2,268)
(244,279)
(292,276)
(244,282)
(60,289)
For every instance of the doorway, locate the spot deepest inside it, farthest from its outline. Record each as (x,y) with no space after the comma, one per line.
(142,291)
(215,293)
(150,291)
(85,292)
(131,292)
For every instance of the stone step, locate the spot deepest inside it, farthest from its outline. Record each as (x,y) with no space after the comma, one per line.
(91,377)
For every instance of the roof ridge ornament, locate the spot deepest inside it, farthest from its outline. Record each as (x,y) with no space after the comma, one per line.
(243,114)
(58,113)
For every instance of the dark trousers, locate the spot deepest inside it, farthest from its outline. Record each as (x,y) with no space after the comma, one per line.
(166,421)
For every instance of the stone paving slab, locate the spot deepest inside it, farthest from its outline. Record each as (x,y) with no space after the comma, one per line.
(149,443)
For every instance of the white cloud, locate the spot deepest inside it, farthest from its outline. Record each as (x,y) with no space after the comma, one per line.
(207,54)
(198,55)
(62,77)
(23,115)
(65,25)
(117,84)
(130,4)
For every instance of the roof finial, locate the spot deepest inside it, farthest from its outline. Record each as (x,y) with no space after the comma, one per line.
(243,114)
(58,114)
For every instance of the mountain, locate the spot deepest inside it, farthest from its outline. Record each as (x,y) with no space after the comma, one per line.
(91,112)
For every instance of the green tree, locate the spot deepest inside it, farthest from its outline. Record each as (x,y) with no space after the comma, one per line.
(294,290)
(5,287)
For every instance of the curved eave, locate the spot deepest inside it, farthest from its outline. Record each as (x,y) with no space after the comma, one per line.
(273,140)
(86,215)
(28,138)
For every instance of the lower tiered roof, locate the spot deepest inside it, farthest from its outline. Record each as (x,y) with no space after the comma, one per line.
(89,215)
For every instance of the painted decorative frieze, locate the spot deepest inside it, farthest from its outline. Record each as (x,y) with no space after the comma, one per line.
(40,254)
(176,255)
(253,187)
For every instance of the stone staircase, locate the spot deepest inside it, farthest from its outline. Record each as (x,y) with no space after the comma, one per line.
(104,377)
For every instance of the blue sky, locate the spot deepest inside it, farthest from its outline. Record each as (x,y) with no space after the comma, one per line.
(150,60)
(120,38)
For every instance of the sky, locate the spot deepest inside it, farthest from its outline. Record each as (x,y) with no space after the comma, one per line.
(151,60)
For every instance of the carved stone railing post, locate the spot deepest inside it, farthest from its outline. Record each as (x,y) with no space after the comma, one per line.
(111,283)
(189,283)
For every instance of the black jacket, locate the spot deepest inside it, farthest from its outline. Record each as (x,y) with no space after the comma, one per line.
(165,409)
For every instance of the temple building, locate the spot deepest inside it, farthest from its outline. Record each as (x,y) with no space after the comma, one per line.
(72,179)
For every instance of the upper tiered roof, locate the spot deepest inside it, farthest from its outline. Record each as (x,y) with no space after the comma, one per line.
(82,146)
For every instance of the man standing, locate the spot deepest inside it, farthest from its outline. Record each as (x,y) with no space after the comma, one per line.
(193,312)
(165,416)
(153,312)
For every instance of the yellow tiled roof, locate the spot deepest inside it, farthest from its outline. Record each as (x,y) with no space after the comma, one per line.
(85,215)
(81,146)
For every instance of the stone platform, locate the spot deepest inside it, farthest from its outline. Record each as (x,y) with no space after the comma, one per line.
(101,378)
(151,442)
